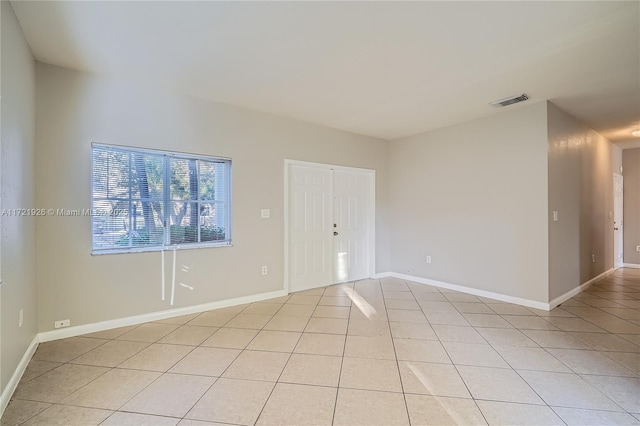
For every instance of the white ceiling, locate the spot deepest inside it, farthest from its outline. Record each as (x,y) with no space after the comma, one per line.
(385,69)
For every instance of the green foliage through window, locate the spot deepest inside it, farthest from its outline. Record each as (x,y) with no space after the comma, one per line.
(155,199)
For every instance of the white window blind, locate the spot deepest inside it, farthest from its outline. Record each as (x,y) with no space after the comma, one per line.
(153,200)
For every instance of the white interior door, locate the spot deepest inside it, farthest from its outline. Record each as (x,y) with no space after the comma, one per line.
(618,204)
(330,225)
(350,211)
(310,227)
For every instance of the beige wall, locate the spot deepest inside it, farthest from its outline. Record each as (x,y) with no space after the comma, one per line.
(75,109)
(631,167)
(581,167)
(474,197)
(18,191)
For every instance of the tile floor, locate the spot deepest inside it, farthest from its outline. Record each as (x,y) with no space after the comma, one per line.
(384,352)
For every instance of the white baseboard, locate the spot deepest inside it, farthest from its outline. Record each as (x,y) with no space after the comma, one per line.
(569,294)
(63,333)
(631,265)
(381,275)
(491,295)
(8,391)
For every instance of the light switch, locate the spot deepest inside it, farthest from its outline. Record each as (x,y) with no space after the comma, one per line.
(265,213)
(555,215)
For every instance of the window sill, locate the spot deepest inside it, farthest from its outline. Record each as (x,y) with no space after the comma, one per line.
(152,249)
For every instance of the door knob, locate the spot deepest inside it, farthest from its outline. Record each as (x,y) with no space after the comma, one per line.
(335,233)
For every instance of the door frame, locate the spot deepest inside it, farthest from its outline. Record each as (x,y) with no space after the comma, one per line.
(371,213)
(615,260)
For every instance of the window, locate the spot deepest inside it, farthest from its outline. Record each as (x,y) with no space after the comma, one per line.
(153,200)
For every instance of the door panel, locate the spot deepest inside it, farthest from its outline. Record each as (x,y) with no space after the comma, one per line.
(617,220)
(310,227)
(351,245)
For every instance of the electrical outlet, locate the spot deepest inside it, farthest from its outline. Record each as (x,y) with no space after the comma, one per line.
(62,323)
(265,213)
(21,317)
(428,259)
(637,248)
(593,258)
(555,215)
(264,270)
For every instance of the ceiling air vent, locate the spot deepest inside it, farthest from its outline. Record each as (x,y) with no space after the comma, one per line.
(509,101)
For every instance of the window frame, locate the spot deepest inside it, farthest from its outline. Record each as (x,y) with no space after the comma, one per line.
(166,200)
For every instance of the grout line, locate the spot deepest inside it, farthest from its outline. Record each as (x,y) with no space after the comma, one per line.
(241,351)
(344,348)
(452,363)
(161,373)
(187,354)
(288,358)
(142,414)
(393,343)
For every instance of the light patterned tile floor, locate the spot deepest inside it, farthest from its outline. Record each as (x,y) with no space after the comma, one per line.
(384,351)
